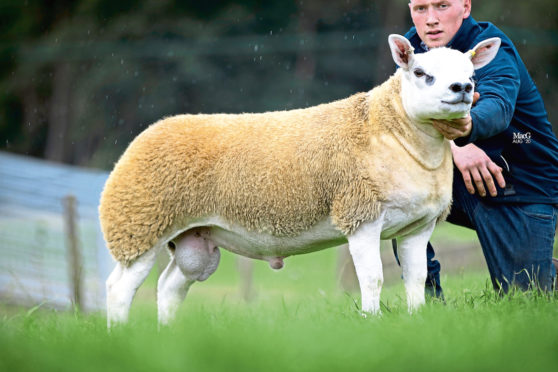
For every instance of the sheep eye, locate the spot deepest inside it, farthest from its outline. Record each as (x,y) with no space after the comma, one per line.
(419,73)
(429,79)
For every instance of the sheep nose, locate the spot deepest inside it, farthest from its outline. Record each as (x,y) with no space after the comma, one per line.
(458,87)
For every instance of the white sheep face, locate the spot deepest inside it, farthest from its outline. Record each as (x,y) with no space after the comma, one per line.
(439,84)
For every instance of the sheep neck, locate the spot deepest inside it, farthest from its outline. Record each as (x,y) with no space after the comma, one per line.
(421,141)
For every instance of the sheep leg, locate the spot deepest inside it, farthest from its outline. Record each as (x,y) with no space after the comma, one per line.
(122,285)
(171,291)
(364,245)
(412,253)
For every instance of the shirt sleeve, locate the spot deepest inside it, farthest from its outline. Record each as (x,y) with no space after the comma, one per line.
(498,84)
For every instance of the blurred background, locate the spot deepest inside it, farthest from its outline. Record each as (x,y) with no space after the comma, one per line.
(80,79)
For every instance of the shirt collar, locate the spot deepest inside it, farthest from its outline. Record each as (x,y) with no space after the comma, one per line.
(467,32)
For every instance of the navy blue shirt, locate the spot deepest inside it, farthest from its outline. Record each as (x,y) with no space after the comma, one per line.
(510,122)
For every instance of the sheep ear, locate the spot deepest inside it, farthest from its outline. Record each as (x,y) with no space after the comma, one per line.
(401,51)
(484,52)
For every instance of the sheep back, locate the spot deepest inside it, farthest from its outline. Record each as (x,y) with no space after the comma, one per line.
(276,172)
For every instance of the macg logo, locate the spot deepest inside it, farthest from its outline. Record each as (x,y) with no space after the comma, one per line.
(521,137)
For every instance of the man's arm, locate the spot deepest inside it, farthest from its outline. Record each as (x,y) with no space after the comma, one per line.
(498,85)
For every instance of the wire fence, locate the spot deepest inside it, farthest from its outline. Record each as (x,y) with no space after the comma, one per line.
(36,262)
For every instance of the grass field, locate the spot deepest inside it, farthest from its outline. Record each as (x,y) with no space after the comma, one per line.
(298,321)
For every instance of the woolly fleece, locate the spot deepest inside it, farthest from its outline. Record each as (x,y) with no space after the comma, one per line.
(276,172)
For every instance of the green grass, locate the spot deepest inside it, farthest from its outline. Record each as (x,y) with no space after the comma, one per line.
(298,321)
(475,331)
(290,327)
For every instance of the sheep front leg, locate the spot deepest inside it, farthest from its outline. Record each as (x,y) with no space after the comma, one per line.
(364,245)
(412,253)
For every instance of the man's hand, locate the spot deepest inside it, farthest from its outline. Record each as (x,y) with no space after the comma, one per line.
(452,129)
(475,166)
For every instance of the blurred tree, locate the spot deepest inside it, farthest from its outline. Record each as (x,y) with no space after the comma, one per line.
(533,27)
(80,79)
(310,14)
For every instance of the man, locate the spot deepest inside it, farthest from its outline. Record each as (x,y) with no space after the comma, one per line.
(505,154)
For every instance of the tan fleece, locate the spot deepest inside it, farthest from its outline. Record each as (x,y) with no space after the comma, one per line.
(275,172)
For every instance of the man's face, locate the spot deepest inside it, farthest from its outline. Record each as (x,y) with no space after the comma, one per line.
(437,21)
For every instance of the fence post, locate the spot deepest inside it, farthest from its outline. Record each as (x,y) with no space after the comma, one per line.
(246,270)
(74,257)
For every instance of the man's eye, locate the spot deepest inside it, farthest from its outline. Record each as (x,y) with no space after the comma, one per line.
(419,73)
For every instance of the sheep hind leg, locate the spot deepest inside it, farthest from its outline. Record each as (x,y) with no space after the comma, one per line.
(171,291)
(194,258)
(122,285)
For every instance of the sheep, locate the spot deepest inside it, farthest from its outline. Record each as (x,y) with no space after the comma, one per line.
(276,184)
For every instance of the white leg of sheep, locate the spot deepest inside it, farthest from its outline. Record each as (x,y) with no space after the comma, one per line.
(171,291)
(412,252)
(364,245)
(122,285)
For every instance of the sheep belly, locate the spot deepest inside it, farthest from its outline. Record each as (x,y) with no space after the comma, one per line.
(261,245)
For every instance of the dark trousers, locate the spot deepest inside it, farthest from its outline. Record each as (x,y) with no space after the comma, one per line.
(516,239)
